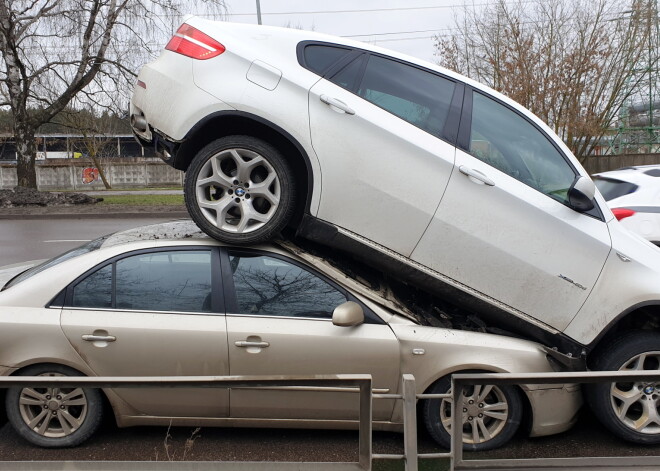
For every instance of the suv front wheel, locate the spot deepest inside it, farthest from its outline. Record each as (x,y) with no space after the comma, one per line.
(631,410)
(240,190)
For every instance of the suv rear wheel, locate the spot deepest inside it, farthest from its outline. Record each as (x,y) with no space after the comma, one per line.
(240,190)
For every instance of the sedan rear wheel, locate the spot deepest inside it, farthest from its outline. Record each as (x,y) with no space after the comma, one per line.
(240,190)
(53,417)
(491,415)
(631,410)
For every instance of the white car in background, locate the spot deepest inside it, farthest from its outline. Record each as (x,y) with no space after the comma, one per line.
(429,176)
(633,194)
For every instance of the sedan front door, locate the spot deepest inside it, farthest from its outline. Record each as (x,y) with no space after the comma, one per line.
(279,323)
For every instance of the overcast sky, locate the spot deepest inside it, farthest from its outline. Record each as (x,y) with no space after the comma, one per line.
(414,21)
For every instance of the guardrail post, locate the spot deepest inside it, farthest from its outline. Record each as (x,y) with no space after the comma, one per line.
(365,425)
(410,422)
(456,432)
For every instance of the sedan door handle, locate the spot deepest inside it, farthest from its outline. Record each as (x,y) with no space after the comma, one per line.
(476,174)
(337,104)
(245,344)
(99,338)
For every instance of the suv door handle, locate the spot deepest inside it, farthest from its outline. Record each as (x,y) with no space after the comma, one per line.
(245,344)
(476,174)
(337,104)
(99,338)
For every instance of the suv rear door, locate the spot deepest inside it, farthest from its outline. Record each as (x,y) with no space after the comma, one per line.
(383,130)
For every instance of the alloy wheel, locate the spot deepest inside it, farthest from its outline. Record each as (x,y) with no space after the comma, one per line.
(485,413)
(53,412)
(238,190)
(636,404)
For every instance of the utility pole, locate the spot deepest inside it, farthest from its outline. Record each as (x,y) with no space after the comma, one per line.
(258,12)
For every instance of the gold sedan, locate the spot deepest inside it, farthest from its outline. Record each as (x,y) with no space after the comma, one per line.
(166,300)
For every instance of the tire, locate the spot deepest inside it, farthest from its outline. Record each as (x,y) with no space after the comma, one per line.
(65,423)
(501,428)
(240,190)
(630,411)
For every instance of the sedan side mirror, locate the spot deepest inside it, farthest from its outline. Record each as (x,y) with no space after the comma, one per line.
(581,194)
(348,314)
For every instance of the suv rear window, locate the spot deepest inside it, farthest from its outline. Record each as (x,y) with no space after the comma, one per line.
(611,188)
(319,58)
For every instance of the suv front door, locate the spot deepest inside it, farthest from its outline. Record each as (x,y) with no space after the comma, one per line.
(504,227)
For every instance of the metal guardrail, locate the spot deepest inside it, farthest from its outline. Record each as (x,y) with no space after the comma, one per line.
(361,383)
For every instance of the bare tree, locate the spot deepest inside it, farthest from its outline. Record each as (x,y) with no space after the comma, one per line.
(98,134)
(55,50)
(571,62)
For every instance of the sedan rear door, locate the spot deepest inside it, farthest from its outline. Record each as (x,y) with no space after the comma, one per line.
(153,313)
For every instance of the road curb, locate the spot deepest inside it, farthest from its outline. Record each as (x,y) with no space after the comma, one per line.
(109,215)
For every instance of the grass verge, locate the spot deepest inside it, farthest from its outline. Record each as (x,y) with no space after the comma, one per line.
(143,200)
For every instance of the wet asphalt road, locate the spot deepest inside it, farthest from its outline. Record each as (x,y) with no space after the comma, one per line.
(587,438)
(33,239)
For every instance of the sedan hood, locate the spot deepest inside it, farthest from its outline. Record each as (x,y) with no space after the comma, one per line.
(10,271)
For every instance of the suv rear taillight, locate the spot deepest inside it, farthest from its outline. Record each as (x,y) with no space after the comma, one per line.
(193,43)
(622,213)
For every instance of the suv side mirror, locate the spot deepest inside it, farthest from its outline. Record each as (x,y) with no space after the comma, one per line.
(581,194)
(348,314)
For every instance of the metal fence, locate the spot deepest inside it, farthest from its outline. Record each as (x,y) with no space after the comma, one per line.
(362,384)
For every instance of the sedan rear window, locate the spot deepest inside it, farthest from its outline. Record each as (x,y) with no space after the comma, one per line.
(611,188)
(82,250)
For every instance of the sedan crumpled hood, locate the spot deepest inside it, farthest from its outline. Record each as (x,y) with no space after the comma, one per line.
(10,271)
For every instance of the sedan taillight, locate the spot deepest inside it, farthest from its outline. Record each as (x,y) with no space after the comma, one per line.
(622,213)
(191,42)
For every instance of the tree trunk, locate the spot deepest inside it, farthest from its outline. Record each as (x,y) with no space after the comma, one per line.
(26,150)
(101,172)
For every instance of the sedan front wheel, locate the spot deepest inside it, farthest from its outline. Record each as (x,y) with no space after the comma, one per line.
(491,415)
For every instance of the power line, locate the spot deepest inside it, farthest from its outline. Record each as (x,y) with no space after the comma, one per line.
(394,32)
(372,10)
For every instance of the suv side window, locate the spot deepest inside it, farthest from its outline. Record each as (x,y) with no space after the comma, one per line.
(153,281)
(505,140)
(318,58)
(415,95)
(271,286)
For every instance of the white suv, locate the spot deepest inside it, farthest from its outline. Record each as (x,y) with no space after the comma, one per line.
(432,177)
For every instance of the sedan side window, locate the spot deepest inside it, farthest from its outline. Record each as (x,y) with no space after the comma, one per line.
(507,141)
(415,95)
(270,286)
(153,281)
(94,291)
